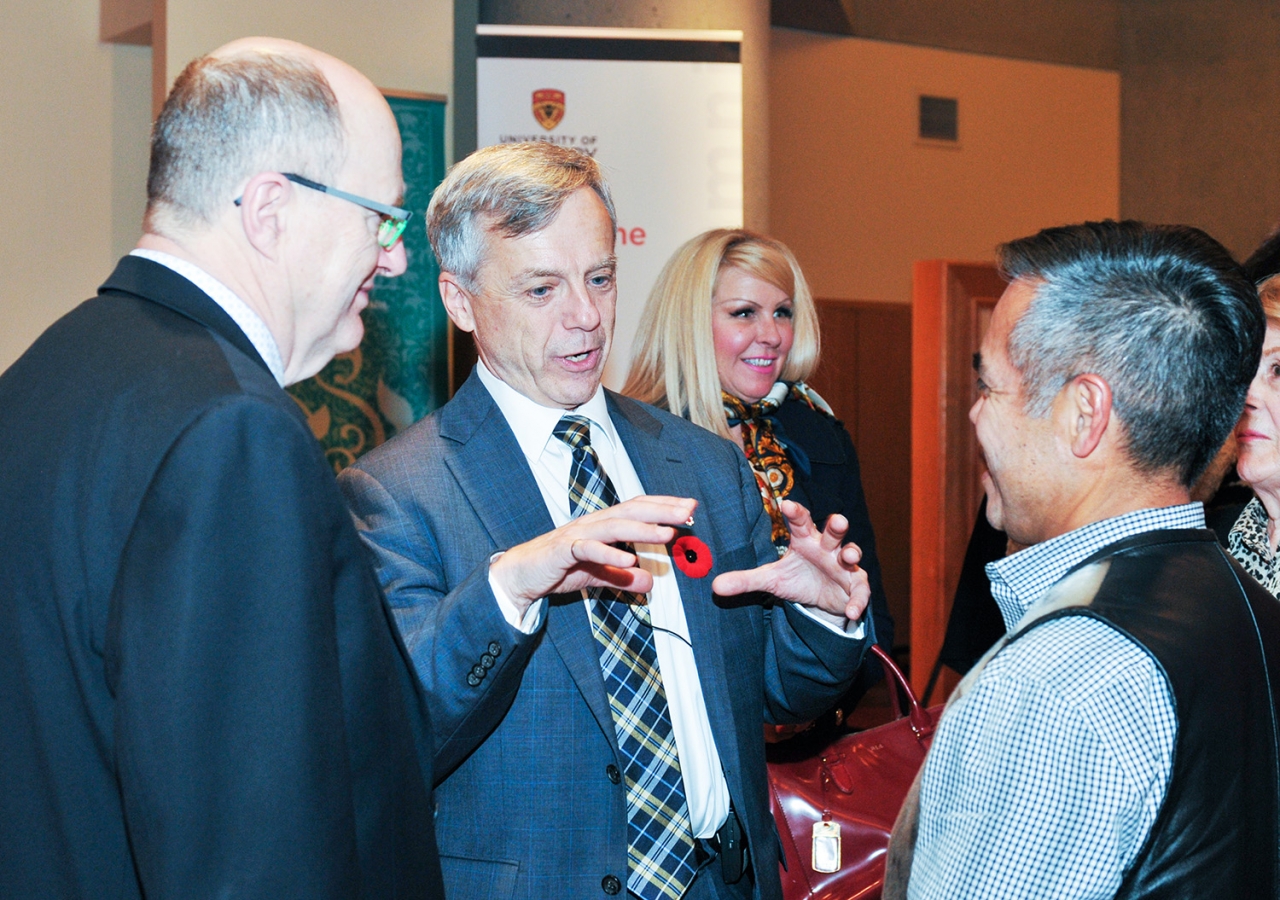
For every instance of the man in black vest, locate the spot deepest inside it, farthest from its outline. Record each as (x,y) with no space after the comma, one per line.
(201,692)
(1121,739)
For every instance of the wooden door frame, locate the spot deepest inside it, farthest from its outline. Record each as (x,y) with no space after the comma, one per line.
(947,301)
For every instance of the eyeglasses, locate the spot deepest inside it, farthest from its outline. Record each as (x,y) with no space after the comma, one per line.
(394,219)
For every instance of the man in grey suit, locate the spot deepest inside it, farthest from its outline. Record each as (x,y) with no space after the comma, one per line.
(521,534)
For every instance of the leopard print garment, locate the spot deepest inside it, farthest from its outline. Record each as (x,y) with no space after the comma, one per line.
(1248,543)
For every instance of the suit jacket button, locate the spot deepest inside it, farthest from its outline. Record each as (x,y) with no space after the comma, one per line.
(487,661)
(612,771)
(473,680)
(495,649)
(611,885)
(478,671)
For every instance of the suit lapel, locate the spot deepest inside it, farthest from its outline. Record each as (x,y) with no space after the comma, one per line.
(490,468)
(663,469)
(569,630)
(161,285)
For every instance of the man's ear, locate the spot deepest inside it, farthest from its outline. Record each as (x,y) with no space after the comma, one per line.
(457,302)
(1088,412)
(262,214)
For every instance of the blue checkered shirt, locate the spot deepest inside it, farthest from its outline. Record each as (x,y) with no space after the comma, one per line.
(1046,777)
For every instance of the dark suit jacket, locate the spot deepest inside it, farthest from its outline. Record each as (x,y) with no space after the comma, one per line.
(532,812)
(832,485)
(201,690)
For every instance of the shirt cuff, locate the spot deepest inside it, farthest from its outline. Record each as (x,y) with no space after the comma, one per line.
(533,616)
(844,627)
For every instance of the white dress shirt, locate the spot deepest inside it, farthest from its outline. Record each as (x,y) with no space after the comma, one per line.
(240,312)
(550,458)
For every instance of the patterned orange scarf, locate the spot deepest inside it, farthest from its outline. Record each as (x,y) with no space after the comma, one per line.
(767,448)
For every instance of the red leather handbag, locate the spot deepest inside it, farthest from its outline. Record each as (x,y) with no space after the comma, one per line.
(835,810)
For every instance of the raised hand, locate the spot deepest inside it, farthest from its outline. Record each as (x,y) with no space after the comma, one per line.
(816,571)
(580,554)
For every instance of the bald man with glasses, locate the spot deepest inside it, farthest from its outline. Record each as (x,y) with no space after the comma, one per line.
(203,693)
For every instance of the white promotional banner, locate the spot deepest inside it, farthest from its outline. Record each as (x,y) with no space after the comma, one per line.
(660,110)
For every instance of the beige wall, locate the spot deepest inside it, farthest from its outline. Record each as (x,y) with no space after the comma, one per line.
(1202,116)
(399,45)
(859,198)
(75,115)
(73,158)
(1078,33)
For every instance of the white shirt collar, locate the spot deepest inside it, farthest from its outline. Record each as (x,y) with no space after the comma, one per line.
(533,423)
(240,312)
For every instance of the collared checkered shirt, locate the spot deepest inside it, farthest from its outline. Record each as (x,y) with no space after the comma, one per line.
(1046,777)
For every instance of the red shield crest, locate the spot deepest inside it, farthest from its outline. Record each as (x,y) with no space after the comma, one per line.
(548,107)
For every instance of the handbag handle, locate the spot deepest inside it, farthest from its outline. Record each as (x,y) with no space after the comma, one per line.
(922,722)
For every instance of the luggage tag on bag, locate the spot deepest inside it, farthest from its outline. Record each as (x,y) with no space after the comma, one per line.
(826,846)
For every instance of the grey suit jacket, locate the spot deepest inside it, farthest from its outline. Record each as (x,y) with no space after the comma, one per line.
(533,811)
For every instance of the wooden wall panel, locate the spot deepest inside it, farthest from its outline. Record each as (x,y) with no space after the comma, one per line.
(865,374)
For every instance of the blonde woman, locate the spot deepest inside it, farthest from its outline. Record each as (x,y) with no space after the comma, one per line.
(727,339)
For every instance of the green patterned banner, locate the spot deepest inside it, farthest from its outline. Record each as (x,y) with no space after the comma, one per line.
(400,372)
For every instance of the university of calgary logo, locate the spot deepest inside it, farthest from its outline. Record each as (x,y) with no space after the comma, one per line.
(548,107)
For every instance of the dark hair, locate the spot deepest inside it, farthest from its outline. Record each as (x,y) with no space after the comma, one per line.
(1265,261)
(229,118)
(1162,312)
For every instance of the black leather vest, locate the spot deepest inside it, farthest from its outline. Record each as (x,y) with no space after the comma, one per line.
(1206,623)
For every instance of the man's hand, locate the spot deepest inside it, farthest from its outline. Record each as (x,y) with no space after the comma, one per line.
(579,554)
(816,570)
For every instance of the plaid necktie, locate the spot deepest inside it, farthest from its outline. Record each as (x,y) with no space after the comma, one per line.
(660,851)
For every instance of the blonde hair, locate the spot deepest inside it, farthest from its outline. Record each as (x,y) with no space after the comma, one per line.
(673,355)
(1269,294)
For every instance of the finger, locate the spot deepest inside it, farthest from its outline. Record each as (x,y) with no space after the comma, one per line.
(598,553)
(613,531)
(637,581)
(859,595)
(657,510)
(730,584)
(850,555)
(833,534)
(798,519)
(854,609)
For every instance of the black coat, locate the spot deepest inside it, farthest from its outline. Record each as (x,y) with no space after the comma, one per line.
(201,691)
(834,485)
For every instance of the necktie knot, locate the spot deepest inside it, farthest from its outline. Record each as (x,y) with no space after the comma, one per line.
(574,431)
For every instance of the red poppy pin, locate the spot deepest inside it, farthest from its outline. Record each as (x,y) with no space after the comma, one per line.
(691,556)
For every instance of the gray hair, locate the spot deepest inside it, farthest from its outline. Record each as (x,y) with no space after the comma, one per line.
(229,118)
(508,189)
(1162,313)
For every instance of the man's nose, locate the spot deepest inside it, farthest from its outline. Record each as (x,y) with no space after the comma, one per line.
(393,262)
(583,310)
